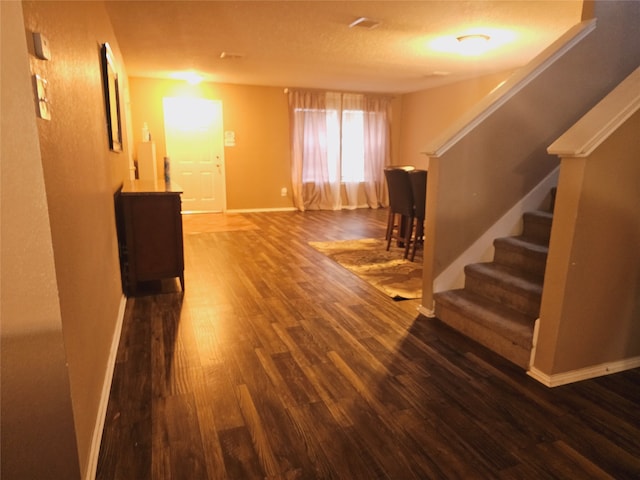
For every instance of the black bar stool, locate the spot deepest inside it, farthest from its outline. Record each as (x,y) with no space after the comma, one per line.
(418,180)
(401,209)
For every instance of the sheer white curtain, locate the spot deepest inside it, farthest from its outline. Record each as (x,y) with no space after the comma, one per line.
(377,149)
(315,166)
(338,140)
(352,141)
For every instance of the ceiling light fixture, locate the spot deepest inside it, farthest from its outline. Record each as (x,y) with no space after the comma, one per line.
(475,38)
(473,44)
(191,77)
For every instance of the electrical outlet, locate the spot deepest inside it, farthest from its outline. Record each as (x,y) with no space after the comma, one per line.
(283,191)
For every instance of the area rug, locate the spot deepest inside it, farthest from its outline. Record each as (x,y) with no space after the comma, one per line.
(369,260)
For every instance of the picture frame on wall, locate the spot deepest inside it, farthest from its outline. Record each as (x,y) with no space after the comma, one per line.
(112,98)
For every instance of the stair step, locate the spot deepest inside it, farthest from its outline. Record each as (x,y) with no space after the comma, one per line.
(552,203)
(500,301)
(507,332)
(513,288)
(521,253)
(537,226)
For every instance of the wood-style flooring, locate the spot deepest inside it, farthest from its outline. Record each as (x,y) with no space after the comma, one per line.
(278,363)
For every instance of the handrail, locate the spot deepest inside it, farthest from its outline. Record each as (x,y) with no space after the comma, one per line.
(601,121)
(509,88)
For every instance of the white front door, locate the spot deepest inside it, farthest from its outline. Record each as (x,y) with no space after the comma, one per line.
(195,147)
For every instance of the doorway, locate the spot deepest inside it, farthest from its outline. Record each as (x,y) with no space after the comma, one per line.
(195,146)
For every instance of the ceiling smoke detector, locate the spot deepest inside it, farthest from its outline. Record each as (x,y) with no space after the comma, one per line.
(231,56)
(364,22)
(437,73)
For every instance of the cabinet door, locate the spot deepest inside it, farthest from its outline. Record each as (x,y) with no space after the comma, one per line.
(155,237)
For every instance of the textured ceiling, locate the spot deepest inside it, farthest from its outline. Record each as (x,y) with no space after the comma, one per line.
(309,44)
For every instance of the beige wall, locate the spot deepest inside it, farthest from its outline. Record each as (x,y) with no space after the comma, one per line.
(591,309)
(427,114)
(36,419)
(257,168)
(80,177)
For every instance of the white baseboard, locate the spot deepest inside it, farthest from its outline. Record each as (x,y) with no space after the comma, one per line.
(572,376)
(260,210)
(280,209)
(92,463)
(534,345)
(427,312)
(240,210)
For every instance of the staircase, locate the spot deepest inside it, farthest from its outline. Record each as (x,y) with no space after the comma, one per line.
(500,301)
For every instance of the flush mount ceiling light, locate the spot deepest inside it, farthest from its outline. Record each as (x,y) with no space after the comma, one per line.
(192,77)
(364,22)
(475,38)
(473,42)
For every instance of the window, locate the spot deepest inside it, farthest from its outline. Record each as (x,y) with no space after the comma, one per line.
(337,139)
(352,158)
(344,146)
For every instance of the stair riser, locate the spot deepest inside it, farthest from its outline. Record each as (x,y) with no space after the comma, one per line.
(522,301)
(528,261)
(488,338)
(537,228)
(498,306)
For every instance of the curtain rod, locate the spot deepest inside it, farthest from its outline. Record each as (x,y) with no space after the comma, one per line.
(286,90)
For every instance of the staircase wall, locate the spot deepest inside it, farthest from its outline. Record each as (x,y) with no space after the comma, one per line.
(590,312)
(478,170)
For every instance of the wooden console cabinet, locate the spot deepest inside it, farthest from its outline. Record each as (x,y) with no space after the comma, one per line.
(149,221)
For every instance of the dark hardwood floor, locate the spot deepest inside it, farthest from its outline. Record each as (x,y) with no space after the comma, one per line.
(279,363)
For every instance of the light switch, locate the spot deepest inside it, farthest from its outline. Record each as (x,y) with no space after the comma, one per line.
(43,101)
(41,46)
